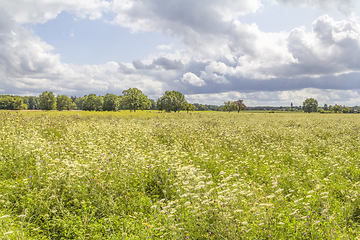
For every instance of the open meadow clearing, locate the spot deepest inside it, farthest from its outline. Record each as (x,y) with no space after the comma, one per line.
(202,175)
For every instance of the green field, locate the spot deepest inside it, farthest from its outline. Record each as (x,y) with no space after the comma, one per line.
(203,175)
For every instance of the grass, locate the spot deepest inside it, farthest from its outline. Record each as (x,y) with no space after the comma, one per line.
(149,175)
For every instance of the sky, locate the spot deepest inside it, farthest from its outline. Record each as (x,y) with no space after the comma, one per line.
(266,52)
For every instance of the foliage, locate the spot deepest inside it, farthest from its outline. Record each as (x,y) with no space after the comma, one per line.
(32,102)
(171,101)
(310,105)
(47,101)
(111,102)
(188,107)
(134,99)
(92,103)
(63,102)
(79,102)
(12,103)
(229,106)
(337,108)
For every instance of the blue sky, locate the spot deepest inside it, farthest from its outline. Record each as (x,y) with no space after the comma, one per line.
(267,52)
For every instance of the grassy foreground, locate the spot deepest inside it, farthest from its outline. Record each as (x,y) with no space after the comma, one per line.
(146,175)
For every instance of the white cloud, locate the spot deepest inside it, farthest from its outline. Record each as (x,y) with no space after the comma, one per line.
(280,98)
(40,11)
(344,6)
(193,79)
(164,47)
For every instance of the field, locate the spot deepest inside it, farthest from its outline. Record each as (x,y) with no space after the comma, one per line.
(202,175)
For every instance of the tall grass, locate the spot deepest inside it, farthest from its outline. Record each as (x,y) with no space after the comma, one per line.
(149,175)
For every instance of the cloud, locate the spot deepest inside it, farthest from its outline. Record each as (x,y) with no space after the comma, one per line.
(280,98)
(40,11)
(164,47)
(193,79)
(344,6)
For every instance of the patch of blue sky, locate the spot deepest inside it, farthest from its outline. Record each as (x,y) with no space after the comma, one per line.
(84,41)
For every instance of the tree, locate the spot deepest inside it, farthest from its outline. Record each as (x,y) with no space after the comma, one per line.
(229,106)
(240,106)
(153,104)
(19,104)
(47,101)
(134,99)
(32,102)
(79,102)
(63,102)
(111,102)
(92,103)
(171,101)
(203,108)
(189,107)
(337,108)
(325,107)
(310,105)
(347,110)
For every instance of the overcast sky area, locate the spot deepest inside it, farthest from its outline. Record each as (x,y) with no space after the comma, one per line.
(266,52)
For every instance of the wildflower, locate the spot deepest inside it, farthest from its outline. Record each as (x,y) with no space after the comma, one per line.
(279,190)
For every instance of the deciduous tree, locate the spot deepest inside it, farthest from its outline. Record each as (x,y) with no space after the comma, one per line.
(310,105)
(134,99)
(47,101)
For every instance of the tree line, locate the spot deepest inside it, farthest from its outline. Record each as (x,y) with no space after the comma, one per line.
(132,99)
(311,105)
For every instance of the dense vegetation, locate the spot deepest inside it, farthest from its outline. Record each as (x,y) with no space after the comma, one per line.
(92,175)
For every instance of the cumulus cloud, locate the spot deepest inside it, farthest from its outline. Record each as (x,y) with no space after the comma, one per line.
(344,6)
(193,79)
(40,11)
(281,98)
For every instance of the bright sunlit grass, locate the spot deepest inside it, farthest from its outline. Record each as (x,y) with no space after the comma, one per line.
(202,175)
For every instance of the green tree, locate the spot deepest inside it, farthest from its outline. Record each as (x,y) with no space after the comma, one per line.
(189,107)
(337,108)
(19,104)
(79,102)
(310,105)
(63,102)
(47,101)
(92,103)
(32,102)
(203,108)
(325,107)
(153,104)
(229,106)
(134,99)
(6,102)
(347,110)
(111,102)
(171,101)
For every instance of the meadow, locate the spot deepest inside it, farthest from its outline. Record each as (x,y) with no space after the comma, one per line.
(202,175)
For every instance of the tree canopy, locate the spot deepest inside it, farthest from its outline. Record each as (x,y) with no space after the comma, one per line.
(92,103)
(111,102)
(134,99)
(63,102)
(310,105)
(171,101)
(47,101)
